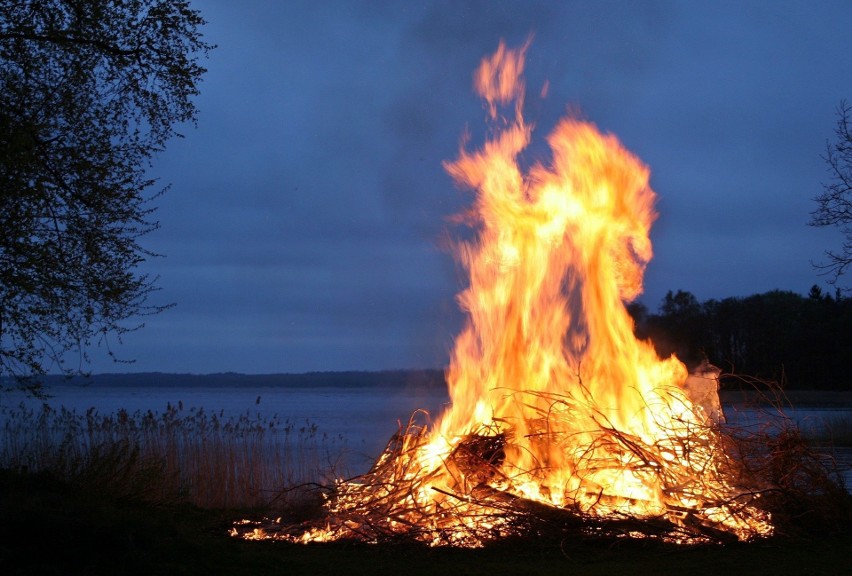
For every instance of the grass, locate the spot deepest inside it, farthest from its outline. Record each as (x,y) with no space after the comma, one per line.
(50,526)
(189,456)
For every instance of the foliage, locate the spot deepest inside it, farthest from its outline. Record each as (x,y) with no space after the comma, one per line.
(803,342)
(89,93)
(834,204)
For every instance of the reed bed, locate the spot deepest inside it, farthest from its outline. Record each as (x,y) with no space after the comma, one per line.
(179,455)
(831,430)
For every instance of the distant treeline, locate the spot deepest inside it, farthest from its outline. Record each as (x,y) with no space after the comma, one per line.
(352,379)
(802,342)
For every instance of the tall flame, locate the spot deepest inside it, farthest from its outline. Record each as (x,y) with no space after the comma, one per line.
(559,250)
(555,405)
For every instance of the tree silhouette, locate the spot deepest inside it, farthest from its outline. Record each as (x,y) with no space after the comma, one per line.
(679,327)
(89,93)
(834,204)
(802,342)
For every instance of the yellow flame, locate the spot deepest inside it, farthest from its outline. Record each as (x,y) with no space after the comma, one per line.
(548,354)
(553,399)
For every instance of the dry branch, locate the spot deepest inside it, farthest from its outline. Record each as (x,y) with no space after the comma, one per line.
(719,484)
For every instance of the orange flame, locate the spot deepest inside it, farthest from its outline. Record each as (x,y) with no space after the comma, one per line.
(555,400)
(548,354)
(559,250)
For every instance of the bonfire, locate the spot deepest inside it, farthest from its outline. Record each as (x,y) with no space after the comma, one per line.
(560,418)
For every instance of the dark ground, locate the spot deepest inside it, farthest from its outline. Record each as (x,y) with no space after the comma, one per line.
(48,526)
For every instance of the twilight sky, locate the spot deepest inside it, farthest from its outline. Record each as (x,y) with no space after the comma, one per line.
(304,227)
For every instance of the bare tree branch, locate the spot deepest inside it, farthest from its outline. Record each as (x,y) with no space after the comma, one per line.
(834,204)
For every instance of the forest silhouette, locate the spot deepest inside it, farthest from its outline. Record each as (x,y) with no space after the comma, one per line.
(798,342)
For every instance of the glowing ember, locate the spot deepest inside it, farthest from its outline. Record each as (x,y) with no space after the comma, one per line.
(559,415)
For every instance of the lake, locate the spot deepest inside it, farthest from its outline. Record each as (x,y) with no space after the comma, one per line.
(363,419)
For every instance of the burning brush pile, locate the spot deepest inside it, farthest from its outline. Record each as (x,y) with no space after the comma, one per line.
(560,419)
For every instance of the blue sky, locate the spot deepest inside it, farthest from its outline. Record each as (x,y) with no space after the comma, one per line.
(306,223)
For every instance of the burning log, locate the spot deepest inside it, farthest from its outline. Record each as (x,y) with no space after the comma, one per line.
(478,458)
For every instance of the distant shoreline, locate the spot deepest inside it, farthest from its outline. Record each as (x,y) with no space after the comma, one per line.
(797,398)
(426,379)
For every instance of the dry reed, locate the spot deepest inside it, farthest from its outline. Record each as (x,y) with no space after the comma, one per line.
(208,459)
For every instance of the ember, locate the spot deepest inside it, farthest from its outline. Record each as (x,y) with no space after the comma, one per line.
(560,418)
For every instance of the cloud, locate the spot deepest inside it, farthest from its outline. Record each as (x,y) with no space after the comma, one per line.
(305,225)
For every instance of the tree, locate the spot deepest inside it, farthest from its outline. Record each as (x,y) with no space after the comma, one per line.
(834,204)
(815,293)
(679,327)
(90,92)
(802,342)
